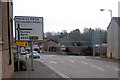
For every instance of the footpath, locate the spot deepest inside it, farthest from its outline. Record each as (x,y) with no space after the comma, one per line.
(40,71)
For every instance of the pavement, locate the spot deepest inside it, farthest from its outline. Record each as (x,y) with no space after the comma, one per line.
(40,71)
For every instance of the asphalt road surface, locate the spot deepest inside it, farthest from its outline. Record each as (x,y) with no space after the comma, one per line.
(80,66)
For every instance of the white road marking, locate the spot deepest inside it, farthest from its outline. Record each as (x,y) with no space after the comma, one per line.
(42,61)
(84,62)
(113,68)
(97,67)
(72,61)
(53,62)
(117,69)
(59,73)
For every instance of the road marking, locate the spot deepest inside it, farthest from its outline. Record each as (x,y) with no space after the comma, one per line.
(97,67)
(59,73)
(113,68)
(84,62)
(117,69)
(72,61)
(42,61)
(56,71)
(53,62)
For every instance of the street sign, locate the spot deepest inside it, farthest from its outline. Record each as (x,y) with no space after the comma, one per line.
(20,43)
(28,28)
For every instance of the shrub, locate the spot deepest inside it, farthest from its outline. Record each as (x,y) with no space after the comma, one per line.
(88,51)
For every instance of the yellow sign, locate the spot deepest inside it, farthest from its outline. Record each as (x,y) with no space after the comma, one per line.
(20,43)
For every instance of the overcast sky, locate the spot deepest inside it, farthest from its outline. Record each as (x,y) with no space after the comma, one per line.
(68,14)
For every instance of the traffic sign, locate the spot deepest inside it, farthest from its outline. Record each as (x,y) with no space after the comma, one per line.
(28,28)
(20,43)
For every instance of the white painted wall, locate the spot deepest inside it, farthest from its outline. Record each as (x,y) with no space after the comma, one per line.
(112,40)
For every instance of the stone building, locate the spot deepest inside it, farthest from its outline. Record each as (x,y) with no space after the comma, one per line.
(6,25)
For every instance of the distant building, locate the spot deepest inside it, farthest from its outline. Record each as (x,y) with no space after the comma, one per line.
(75,47)
(75,43)
(47,45)
(113,38)
(6,25)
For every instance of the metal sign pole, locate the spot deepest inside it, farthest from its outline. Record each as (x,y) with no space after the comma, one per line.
(18,48)
(93,43)
(18,58)
(100,43)
(31,47)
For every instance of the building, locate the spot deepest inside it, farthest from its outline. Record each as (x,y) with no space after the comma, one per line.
(75,43)
(113,38)
(6,24)
(48,45)
(75,47)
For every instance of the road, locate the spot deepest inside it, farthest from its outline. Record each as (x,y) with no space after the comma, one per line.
(80,66)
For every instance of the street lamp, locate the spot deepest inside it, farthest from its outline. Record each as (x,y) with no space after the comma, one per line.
(107,10)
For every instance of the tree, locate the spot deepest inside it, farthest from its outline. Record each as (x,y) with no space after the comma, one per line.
(74,35)
(87,34)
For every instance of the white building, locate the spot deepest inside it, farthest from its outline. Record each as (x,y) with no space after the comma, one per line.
(113,38)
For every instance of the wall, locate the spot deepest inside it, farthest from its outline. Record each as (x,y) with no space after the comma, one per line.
(119,42)
(0,61)
(112,40)
(7,68)
(0,42)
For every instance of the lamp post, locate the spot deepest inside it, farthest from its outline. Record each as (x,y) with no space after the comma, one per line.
(107,10)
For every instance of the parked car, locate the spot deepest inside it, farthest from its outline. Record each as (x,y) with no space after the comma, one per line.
(35,55)
(24,55)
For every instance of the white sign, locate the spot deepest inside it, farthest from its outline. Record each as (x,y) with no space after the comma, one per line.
(28,28)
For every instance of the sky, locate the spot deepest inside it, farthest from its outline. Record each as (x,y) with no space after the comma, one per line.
(68,14)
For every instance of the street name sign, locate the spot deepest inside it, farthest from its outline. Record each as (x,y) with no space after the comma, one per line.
(20,43)
(28,28)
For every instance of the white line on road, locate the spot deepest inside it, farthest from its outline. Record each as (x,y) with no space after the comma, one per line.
(111,67)
(117,69)
(42,61)
(97,67)
(84,62)
(72,61)
(59,73)
(53,62)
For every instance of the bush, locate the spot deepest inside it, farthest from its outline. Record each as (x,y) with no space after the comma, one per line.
(88,51)
(67,49)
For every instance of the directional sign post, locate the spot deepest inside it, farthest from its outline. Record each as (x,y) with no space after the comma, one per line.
(97,37)
(20,43)
(28,29)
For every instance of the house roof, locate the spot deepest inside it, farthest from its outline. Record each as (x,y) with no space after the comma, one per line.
(48,40)
(76,43)
(44,41)
(117,20)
